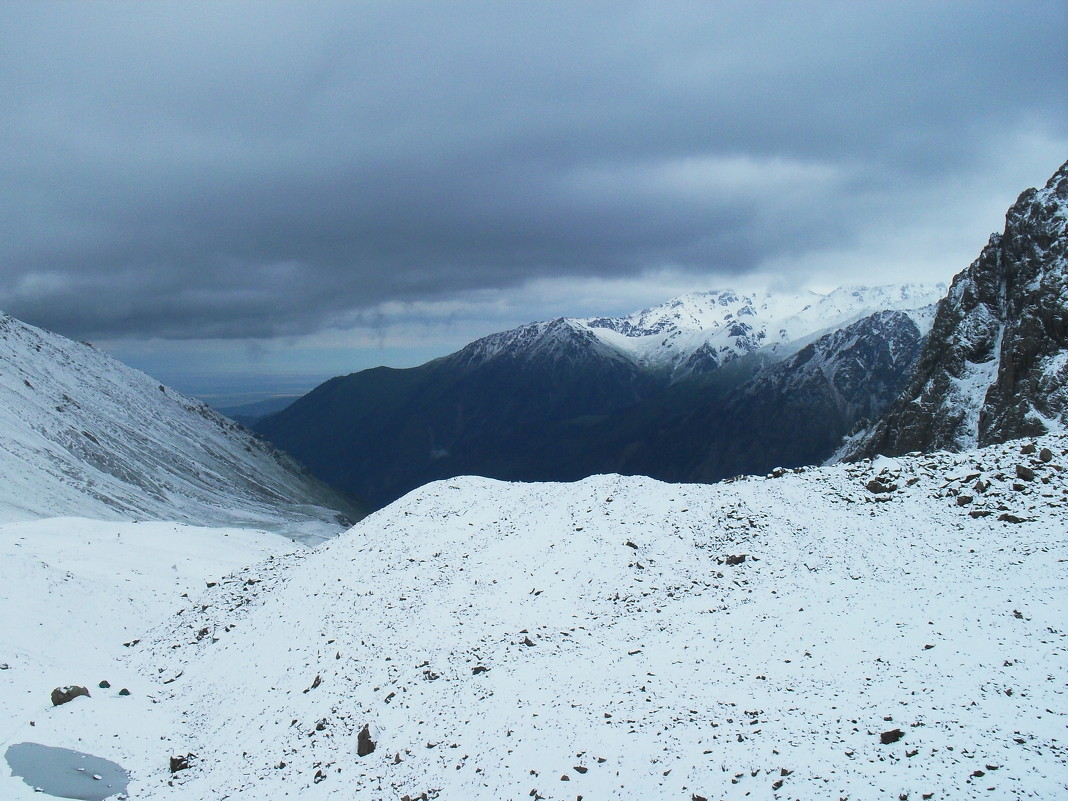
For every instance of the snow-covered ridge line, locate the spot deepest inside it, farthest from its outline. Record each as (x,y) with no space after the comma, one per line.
(733,324)
(705,330)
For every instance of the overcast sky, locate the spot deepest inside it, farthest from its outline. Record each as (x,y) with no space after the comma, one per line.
(216,190)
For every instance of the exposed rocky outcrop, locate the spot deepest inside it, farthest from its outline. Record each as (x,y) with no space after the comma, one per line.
(995,366)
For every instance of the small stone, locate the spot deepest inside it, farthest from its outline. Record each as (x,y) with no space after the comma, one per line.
(124,691)
(1046,455)
(891,736)
(1010,518)
(1028,448)
(964,500)
(880,485)
(1024,472)
(105,684)
(181,762)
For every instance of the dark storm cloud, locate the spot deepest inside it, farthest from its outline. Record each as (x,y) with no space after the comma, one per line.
(225,170)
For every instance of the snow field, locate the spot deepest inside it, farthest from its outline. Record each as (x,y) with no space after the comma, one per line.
(555,640)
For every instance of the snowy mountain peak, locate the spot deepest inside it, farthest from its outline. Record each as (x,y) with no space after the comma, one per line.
(701,331)
(562,339)
(704,330)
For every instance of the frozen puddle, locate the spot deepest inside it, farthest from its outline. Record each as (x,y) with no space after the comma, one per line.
(63,773)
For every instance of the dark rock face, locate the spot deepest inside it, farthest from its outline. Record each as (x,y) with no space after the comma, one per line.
(995,366)
(63,695)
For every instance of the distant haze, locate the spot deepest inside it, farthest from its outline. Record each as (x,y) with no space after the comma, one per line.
(222,192)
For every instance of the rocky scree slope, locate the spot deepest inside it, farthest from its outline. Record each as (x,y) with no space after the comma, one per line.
(82,434)
(874,630)
(995,366)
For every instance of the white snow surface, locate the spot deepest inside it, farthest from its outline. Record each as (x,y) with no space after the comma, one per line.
(733,324)
(83,435)
(593,639)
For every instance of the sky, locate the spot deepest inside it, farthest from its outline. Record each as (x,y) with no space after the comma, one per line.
(244,199)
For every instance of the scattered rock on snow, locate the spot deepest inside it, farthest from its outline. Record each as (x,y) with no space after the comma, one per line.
(62,695)
(181,761)
(891,736)
(364,744)
(1011,518)
(881,484)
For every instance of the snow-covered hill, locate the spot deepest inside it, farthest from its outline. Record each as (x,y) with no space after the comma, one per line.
(83,435)
(877,630)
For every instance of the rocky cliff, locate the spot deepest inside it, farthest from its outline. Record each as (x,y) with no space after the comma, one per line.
(995,366)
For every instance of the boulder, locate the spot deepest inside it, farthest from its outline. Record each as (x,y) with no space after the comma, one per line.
(62,695)
(364,744)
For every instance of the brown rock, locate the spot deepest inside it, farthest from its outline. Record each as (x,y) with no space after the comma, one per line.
(62,695)
(181,761)
(879,485)
(364,744)
(891,736)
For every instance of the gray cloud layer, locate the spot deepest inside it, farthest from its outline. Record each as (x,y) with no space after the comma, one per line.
(248,170)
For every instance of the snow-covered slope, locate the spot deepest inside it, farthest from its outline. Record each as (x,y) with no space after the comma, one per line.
(73,591)
(82,434)
(619,638)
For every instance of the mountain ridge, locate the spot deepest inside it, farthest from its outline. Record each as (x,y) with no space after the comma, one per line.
(539,402)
